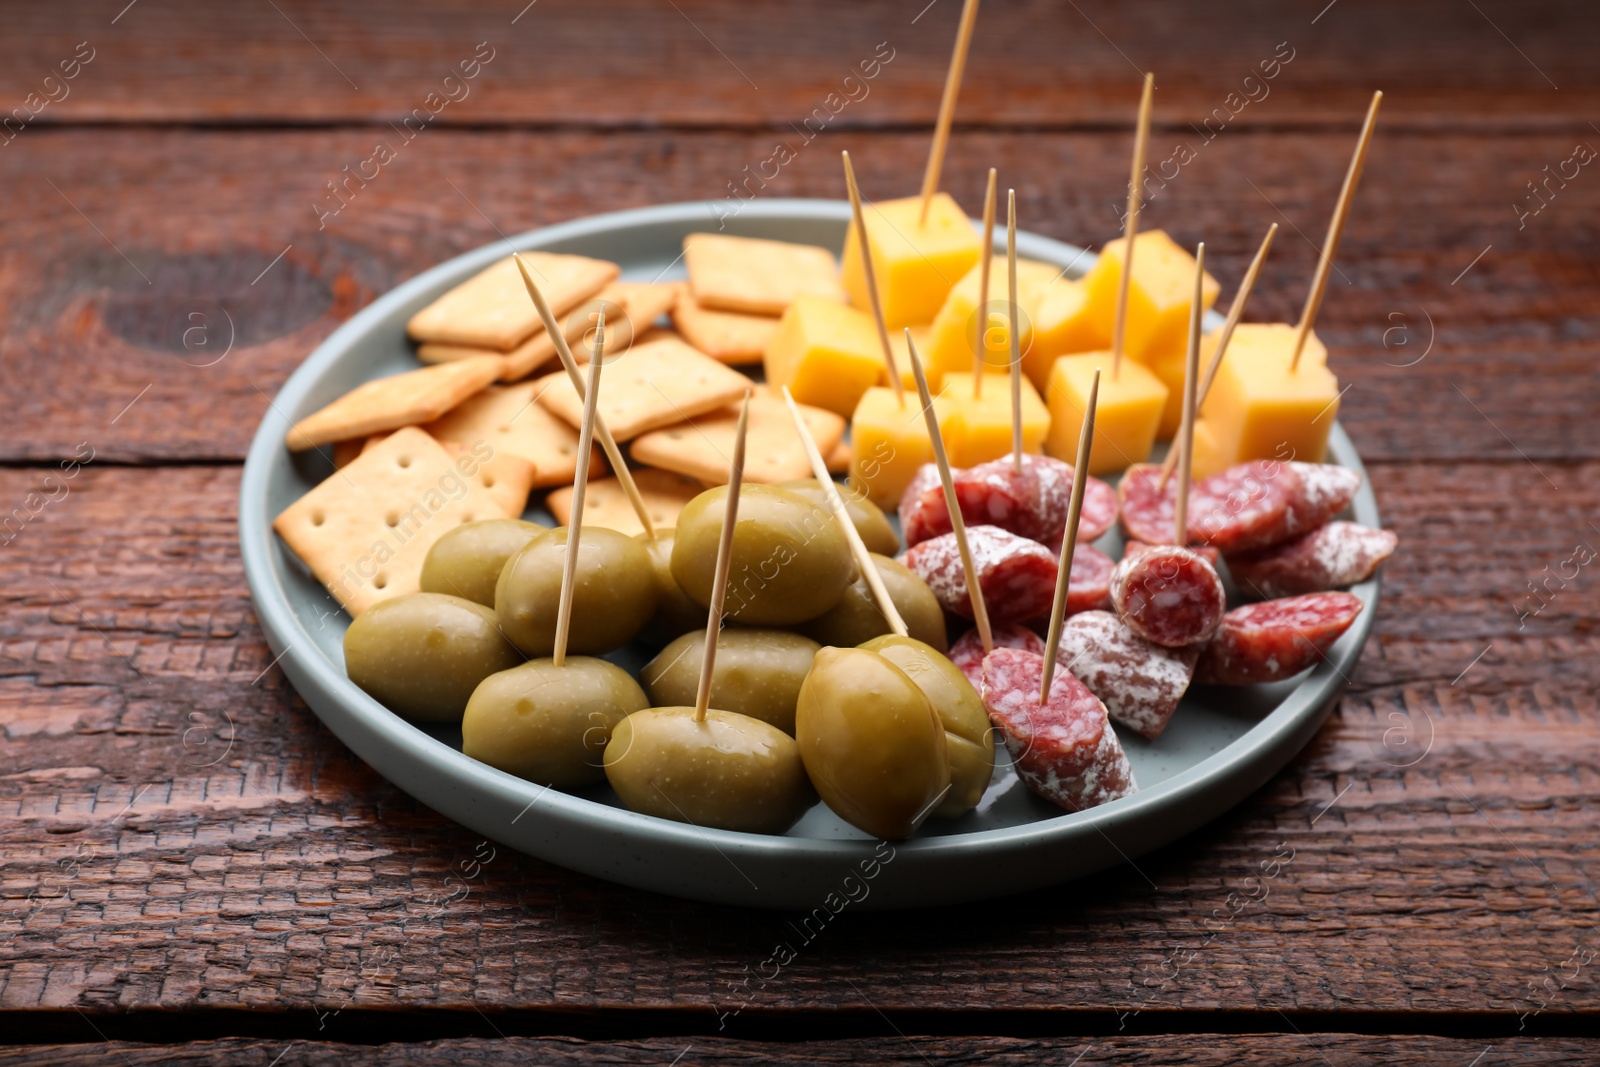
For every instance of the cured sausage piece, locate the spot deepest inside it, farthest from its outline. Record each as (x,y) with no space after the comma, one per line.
(1017,576)
(1324,491)
(1275,639)
(1033,504)
(967,653)
(1207,552)
(1139,681)
(1065,749)
(1146,511)
(1331,556)
(1245,506)
(1169,595)
(1088,587)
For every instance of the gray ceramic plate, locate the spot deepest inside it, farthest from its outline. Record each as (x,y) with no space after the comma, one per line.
(1222,744)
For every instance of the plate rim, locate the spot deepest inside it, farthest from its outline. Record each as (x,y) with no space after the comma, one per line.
(315,676)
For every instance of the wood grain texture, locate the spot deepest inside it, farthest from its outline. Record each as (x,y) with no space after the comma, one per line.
(1201,1050)
(1441,825)
(721,63)
(133,287)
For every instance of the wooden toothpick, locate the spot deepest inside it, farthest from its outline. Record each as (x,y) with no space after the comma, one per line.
(1191,371)
(985,257)
(980,612)
(1224,335)
(947,107)
(619,464)
(719,586)
(1069,546)
(872,280)
(580,483)
(858,547)
(1016,340)
(1330,246)
(1130,224)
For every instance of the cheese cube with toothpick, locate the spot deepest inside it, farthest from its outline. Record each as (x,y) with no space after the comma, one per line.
(1129,409)
(1063,325)
(827,353)
(955,328)
(1259,408)
(978,428)
(1159,293)
(917,263)
(1208,457)
(889,443)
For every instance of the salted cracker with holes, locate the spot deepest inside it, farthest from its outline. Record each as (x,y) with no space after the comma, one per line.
(606,504)
(510,419)
(755,276)
(725,336)
(365,531)
(390,403)
(507,477)
(775,452)
(649,386)
(492,310)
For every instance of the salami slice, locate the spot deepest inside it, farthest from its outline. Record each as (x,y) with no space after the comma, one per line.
(1208,552)
(1245,506)
(1065,749)
(1275,639)
(1033,504)
(1169,595)
(1017,576)
(1323,491)
(1088,587)
(967,653)
(1139,681)
(1145,510)
(1331,556)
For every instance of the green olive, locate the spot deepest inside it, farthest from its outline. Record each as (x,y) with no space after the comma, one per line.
(758,673)
(967,736)
(856,617)
(676,611)
(869,519)
(729,771)
(872,744)
(790,559)
(421,654)
(467,561)
(550,724)
(613,592)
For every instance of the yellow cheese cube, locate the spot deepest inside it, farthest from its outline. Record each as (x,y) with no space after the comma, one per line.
(1063,325)
(955,328)
(1159,293)
(1208,456)
(902,359)
(979,428)
(1258,409)
(888,442)
(1247,337)
(1126,413)
(1168,366)
(916,265)
(828,354)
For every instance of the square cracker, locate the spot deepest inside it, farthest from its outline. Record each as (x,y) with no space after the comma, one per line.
(605,504)
(492,309)
(631,310)
(725,336)
(508,478)
(365,530)
(839,459)
(649,386)
(390,403)
(755,276)
(773,451)
(510,420)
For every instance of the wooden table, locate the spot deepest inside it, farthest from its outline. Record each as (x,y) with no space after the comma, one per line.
(192,869)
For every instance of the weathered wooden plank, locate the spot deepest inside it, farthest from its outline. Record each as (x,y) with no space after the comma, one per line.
(715,62)
(130,289)
(1199,1050)
(1440,826)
